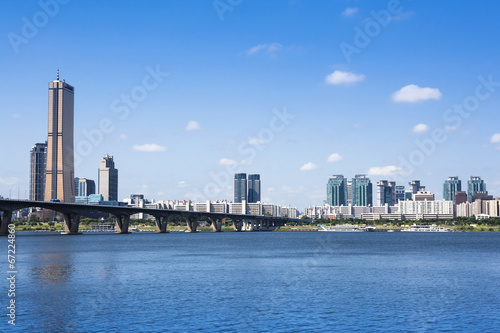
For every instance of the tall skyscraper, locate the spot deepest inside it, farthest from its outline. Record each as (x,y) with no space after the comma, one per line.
(38,162)
(336,191)
(84,187)
(349,192)
(475,184)
(253,188)
(362,191)
(108,179)
(386,193)
(451,186)
(400,193)
(240,187)
(60,171)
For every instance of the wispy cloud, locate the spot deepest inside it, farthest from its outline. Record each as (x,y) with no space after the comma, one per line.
(271,49)
(123,136)
(349,11)
(8,181)
(16,115)
(308,167)
(389,170)
(420,128)
(495,138)
(255,141)
(413,93)
(340,77)
(193,125)
(149,148)
(182,184)
(227,161)
(334,158)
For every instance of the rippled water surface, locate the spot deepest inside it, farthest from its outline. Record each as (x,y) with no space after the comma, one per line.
(249,282)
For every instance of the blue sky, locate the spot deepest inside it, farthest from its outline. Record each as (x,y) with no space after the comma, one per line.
(397,90)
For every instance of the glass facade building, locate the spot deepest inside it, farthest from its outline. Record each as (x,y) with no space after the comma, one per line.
(451,186)
(475,184)
(240,187)
(108,179)
(253,188)
(362,191)
(38,160)
(336,191)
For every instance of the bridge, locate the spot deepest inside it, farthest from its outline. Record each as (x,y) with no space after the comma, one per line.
(72,212)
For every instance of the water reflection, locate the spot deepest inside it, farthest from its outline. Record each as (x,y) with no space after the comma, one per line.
(54,268)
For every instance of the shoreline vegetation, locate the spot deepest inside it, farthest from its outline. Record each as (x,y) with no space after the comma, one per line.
(458,225)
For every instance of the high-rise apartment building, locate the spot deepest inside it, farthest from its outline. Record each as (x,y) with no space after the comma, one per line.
(386,193)
(240,187)
(336,191)
(108,179)
(38,161)
(253,188)
(451,186)
(60,170)
(84,187)
(475,184)
(362,192)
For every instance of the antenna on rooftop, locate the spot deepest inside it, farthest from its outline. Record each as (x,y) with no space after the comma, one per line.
(58,74)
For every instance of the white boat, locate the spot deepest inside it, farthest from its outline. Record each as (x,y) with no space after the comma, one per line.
(343,228)
(426,228)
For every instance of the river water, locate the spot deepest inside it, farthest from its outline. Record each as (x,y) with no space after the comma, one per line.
(255,282)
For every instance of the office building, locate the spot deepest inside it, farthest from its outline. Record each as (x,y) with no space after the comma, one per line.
(60,169)
(349,192)
(253,188)
(84,187)
(386,193)
(423,196)
(460,197)
(108,179)
(362,192)
(475,184)
(451,186)
(336,191)
(38,160)
(400,193)
(240,187)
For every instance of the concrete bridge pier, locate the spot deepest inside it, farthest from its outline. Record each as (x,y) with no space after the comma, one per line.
(161,224)
(122,222)
(71,224)
(217,224)
(237,224)
(192,223)
(4,222)
(249,225)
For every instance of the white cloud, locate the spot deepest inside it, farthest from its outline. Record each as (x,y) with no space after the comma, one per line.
(308,167)
(413,93)
(495,138)
(349,11)
(246,162)
(384,171)
(255,141)
(227,161)
(149,148)
(123,136)
(182,184)
(335,158)
(269,48)
(8,181)
(420,128)
(450,128)
(193,125)
(339,77)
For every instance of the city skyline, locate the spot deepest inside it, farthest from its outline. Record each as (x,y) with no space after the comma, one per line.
(234,123)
